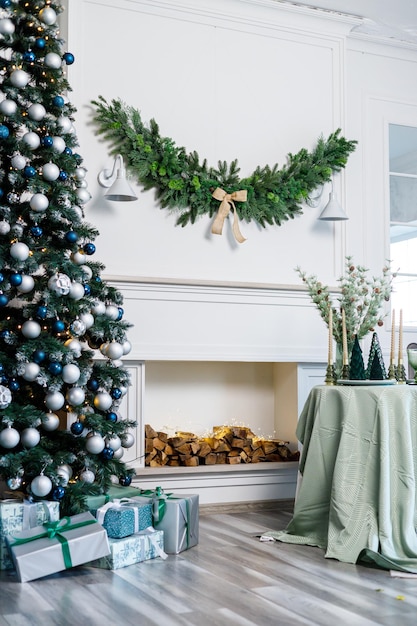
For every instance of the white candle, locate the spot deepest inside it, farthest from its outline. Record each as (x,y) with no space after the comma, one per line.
(330,359)
(392,357)
(345,360)
(400,340)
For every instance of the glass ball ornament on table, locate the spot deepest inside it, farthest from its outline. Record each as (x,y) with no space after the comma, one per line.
(412,360)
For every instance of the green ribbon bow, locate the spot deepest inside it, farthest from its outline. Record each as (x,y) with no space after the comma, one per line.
(55,530)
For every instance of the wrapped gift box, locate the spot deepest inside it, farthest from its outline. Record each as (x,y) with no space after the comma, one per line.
(39,552)
(115,492)
(177,516)
(17,515)
(124,517)
(148,544)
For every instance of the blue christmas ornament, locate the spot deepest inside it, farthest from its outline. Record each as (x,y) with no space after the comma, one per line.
(125,481)
(77,158)
(38,356)
(58,493)
(14,384)
(58,326)
(89,248)
(47,141)
(15,279)
(4,380)
(41,311)
(76,428)
(36,231)
(55,368)
(68,151)
(1,277)
(4,334)
(58,101)
(111,417)
(62,176)
(116,393)
(121,313)
(97,279)
(71,236)
(40,43)
(93,384)
(68,58)
(29,56)
(87,290)
(4,4)
(4,131)
(3,299)
(107,453)
(29,171)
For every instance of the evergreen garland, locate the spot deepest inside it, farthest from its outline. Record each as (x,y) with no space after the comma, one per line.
(184,183)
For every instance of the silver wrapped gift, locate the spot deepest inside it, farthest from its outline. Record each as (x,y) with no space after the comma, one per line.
(20,514)
(57,546)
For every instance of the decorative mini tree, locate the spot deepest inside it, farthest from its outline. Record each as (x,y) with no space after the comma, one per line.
(61,329)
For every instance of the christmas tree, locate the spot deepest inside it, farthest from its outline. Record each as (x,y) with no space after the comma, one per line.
(62,335)
(357,366)
(376,366)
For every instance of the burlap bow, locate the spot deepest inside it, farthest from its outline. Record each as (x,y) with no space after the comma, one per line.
(227,202)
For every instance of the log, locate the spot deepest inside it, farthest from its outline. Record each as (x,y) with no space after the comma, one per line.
(158,444)
(233,460)
(205,449)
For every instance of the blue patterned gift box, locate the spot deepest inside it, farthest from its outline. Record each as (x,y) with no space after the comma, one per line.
(143,546)
(124,517)
(18,515)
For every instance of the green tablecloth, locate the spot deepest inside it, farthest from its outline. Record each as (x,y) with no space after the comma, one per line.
(357,497)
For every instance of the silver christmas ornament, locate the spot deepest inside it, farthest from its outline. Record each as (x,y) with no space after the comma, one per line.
(31,371)
(58,144)
(30,437)
(83,195)
(70,373)
(39,202)
(114,350)
(64,124)
(127,440)
(5,397)
(113,442)
(31,329)
(103,401)
(80,173)
(27,284)
(118,453)
(14,483)
(32,140)
(76,291)
(50,171)
(87,271)
(99,308)
(127,346)
(7,27)
(87,319)
(36,112)
(60,284)
(41,486)
(79,258)
(48,16)
(9,437)
(19,251)
(4,227)
(52,60)
(75,396)
(103,348)
(64,472)
(54,400)
(95,444)
(18,161)
(112,312)
(78,328)
(87,476)
(8,107)
(75,346)
(19,78)
(50,421)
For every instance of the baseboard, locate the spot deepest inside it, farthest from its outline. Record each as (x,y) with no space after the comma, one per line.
(245,507)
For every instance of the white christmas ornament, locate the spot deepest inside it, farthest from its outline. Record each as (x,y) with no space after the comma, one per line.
(54,400)
(103,348)
(50,171)
(4,227)
(75,396)
(112,312)
(76,291)
(60,284)
(8,107)
(31,371)
(18,161)
(113,442)
(39,202)
(5,397)
(78,211)
(114,350)
(19,251)
(19,78)
(87,319)
(64,123)
(103,401)
(65,469)
(26,285)
(95,444)
(99,308)
(118,453)
(32,140)
(127,440)
(80,173)
(74,345)
(58,144)
(30,437)
(127,346)
(7,27)
(50,420)
(87,476)
(79,258)
(70,373)
(83,195)
(41,486)
(48,16)
(87,271)
(31,329)
(36,112)
(53,60)
(9,437)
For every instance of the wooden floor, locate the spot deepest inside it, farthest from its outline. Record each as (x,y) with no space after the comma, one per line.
(229,578)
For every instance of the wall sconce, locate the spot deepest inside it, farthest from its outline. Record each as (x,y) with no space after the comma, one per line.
(333,211)
(120,190)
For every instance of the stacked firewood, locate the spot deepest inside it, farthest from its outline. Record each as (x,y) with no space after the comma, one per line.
(226,444)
